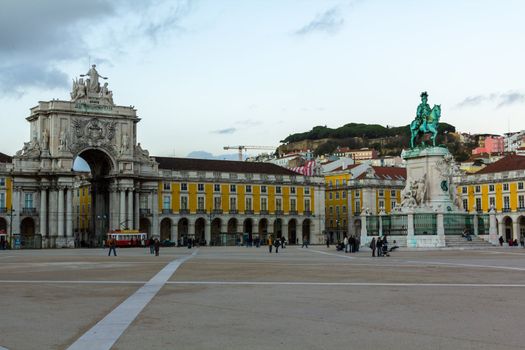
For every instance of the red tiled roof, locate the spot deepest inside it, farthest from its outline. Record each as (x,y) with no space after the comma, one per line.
(508,163)
(387,173)
(348,167)
(4,158)
(221,165)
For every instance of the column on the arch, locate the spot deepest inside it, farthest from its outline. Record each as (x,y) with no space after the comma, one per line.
(136,217)
(60,212)
(43,211)
(155,208)
(207,231)
(69,213)
(113,207)
(122,207)
(16,211)
(52,213)
(129,219)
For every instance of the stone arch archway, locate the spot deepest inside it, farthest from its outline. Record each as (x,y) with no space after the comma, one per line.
(292,231)
(216,232)
(200,228)
(102,211)
(263,229)
(521,227)
(278,228)
(507,229)
(183,230)
(306,229)
(27,227)
(233,235)
(3,225)
(165,229)
(247,230)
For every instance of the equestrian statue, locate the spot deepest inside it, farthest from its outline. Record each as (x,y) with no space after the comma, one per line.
(426,121)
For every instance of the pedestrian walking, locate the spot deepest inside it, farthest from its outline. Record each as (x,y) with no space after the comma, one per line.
(156,244)
(270,243)
(277,243)
(351,242)
(379,246)
(151,245)
(373,246)
(500,240)
(345,242)
(305,242)
(327,241)
(112,243)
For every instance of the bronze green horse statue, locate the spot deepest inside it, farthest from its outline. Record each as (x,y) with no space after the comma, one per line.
(430,126)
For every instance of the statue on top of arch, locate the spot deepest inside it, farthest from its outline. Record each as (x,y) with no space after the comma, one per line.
(91,87)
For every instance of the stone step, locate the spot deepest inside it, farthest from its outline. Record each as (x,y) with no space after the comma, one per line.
(460,242)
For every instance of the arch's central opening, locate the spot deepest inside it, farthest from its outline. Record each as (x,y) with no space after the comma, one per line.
(93,192)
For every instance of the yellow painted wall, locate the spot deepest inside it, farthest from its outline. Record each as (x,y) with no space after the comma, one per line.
(225,197)
(208,199)
(271,199)
(192,197)
(175,196)
(9,193)
(256,198)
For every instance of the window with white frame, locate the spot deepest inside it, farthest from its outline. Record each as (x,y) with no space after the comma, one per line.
(307,204)
(381,193)
(217,203)
(263,189)
(392,193)
(264,203)
(216,188)
(183,186)
(249,203)
(465,204)
(233,203)
(505,187)
(278,204)
(233,188)
(492,202)
(200,187)
(337,195)
(477,188)
(344,208)
(248,188)
(143,202)
(356,194)
(167,186)
(521,202)
(293,204)
(307,190)
(2,200)
(278,189)
(392,204)
(292,190)
(491,188)
(330,195)
(357,206)
(464,189)
(506,202)
(478,204)
(166,202)
(2,181)
(520,185)
(184,202)
(331,210)
(28,200)
(337,210)
(200,202)
(381,204)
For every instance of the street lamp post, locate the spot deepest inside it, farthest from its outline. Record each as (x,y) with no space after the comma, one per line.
(11,213)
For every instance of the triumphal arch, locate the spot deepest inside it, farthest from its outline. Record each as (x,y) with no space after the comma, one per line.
(91,126)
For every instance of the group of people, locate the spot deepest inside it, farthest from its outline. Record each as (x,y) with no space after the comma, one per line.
(512,242)
(152,243)
(379,246)
(277,242)
(349,244)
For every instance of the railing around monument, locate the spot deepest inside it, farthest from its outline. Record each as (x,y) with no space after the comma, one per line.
(455,223)
(483,224)
(395,225)
(27,241)
(372,225)
(425,224)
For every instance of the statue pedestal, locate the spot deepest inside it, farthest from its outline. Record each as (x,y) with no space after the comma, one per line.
(429,162)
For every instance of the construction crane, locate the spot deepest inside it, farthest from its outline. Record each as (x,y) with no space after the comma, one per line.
(244,148)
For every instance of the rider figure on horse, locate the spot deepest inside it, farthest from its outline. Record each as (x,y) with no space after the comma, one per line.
(423,111)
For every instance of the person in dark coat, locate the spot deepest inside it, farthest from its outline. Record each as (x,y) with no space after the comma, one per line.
(151,245)
(379,246)
(157,246)
(276,244)
(373,246)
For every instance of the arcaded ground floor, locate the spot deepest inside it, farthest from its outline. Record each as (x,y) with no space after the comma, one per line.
(245,298)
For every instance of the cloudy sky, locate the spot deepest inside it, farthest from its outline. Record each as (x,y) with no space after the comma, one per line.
(208,73)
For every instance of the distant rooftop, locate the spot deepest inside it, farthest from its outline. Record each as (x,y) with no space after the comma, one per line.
(508,163)
(4,158)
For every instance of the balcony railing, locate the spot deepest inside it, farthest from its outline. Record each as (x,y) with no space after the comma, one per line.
(167,211)
(216,211)
(248,212)
(264,212)
(201,211)
(29,211)
(279,212)
(506,210)
(184,211)
(234,211)
(3,210)
(307,213)
(292,212)
(144,212)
